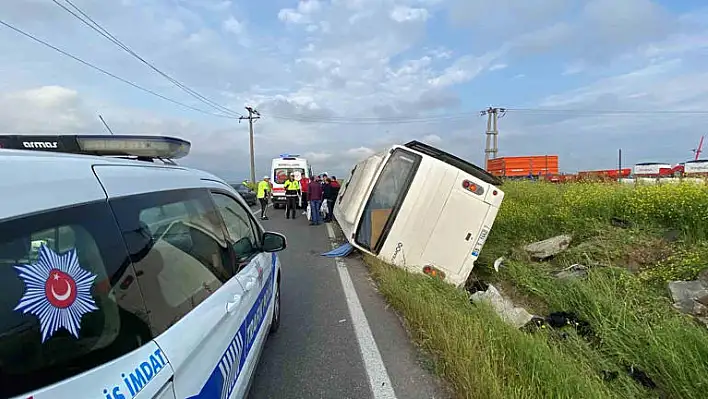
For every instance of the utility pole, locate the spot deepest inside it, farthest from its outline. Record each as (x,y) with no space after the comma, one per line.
(619,165)
(491,148)
(253,115)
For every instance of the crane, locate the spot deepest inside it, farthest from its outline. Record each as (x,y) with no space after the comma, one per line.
(698,150)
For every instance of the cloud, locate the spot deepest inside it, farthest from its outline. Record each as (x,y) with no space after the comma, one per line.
(302,14)
(464,69)
(340,80)
(408,14)
(599,31)
(61,106)
(233,25)
(432,139)
(317,157)
(359,153)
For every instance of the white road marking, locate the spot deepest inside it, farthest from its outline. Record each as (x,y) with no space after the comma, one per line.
(373,363)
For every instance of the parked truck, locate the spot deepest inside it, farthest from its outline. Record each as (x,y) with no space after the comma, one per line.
(523,166)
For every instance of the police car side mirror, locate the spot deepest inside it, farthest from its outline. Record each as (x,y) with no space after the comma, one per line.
(273,242)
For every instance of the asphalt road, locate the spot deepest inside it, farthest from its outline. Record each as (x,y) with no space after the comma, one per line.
(321,347)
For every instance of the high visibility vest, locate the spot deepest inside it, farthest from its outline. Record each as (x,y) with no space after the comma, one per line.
(263,187)
(291,185)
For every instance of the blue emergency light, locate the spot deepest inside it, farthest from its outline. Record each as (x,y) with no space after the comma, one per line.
(289,155)
(145,147)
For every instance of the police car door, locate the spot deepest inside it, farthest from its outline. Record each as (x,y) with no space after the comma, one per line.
(73,323)
(194,304)
(256,274)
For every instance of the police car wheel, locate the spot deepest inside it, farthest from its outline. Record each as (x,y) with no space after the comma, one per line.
(275,323)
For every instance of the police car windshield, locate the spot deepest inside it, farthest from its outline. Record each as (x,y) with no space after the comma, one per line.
(281,174)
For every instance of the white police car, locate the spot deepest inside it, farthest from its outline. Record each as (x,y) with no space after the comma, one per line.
(125,279)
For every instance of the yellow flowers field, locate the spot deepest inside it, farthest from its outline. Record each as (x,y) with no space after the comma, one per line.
(572,206)
(534,211)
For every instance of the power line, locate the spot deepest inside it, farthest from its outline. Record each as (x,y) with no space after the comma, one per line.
(103,71)
(607,111)
(464,115)
(91,23)
(377,118)
(372,121)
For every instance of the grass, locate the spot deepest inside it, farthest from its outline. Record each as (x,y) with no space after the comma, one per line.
(663,236)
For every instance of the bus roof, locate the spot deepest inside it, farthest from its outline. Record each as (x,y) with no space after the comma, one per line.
(452,160)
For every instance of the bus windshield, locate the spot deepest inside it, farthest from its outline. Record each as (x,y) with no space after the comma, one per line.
(281,174)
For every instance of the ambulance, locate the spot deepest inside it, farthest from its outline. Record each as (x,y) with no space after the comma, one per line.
(281,168)
(420,208)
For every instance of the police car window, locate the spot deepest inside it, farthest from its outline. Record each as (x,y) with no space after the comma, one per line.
(68,301)
(180,255)
(241,227)
(164,211)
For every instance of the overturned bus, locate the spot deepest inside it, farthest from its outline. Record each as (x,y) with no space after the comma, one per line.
(420,208)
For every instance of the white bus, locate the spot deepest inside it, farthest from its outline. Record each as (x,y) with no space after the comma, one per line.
(281,168)
(421,209)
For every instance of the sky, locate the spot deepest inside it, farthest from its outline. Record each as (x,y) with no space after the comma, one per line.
(338,80)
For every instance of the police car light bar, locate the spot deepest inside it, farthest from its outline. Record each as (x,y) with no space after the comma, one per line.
(132,146)
(289,155)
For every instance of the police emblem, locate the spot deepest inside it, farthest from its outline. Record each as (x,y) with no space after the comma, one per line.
(57,291)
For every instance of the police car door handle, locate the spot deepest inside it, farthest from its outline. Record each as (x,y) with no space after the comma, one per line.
(232,305)
(249,285)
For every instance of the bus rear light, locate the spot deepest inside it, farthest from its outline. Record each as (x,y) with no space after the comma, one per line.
(433,272)
(472,187)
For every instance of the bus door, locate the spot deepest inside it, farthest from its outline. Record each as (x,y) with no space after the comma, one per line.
(385,199)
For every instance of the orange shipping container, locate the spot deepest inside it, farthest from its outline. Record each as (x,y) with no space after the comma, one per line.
(523,166)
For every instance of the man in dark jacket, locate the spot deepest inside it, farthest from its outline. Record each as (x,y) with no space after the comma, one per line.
(315,195)
(331,191)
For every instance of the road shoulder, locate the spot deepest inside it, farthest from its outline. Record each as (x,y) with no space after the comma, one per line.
(407,365)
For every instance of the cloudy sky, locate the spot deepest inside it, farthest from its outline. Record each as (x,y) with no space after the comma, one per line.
(336,80)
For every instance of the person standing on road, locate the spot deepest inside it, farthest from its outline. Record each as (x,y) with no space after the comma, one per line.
(315,193)
(263,194)
(305,185)
(324,178)
(292,191)
(331,190)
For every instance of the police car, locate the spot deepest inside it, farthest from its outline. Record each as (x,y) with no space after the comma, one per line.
(128,278)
